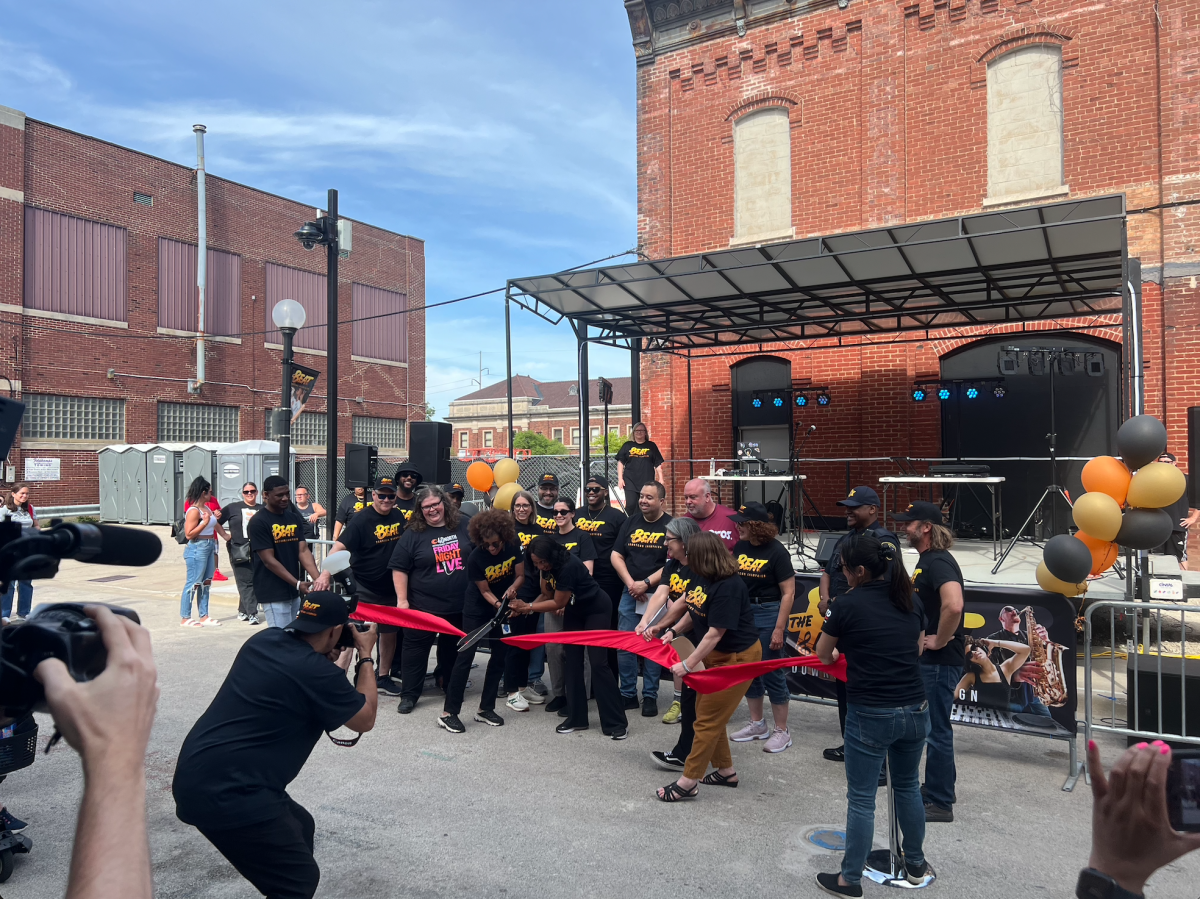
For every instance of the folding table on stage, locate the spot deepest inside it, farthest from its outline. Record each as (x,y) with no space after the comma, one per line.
(992,483)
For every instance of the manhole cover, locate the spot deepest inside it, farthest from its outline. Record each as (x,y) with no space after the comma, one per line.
(827,838)
(111,578)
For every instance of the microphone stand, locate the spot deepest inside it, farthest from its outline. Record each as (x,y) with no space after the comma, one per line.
(798,491)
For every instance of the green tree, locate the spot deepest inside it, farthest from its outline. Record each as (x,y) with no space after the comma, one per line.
(615,441)
(538,444)
(430,412)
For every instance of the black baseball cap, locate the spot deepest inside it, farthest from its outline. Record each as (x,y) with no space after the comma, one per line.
(860,496)
(548,478)
(319,611)
(598,479)
(751,512)
(454,490)
(385,484)
(409,468)
(921,511)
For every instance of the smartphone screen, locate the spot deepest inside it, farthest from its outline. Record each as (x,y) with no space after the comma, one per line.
(1183,790)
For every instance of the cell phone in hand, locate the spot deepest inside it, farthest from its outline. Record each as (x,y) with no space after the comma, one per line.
(1183,790)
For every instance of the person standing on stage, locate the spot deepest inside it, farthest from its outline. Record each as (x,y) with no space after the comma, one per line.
(585,608)
(939,583)
(524,510)
(408,479)
(236,517)
(311,512)
(351,504)
(862,514)
(709,514)
(638,557)
(602,523)
(547,488)
(429,570)
(878,627)
(639,462)
(1183,516)
(766,567)
(371,537)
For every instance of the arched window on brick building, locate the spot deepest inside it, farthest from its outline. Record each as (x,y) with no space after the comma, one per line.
(1025,123)
(762,176)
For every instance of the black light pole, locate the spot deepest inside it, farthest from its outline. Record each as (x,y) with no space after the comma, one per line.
(288,316)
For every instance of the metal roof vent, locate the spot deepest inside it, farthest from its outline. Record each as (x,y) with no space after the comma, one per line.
(144,199)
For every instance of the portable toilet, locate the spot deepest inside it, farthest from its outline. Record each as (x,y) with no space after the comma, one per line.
(164,482)
(112,497)
(133,483)
(200,460)
(247,460)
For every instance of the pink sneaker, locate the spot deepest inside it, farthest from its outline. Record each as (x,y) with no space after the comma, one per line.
(779,740)
(755,730)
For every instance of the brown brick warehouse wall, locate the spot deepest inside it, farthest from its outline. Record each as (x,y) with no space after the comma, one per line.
(74,174)
(887,104)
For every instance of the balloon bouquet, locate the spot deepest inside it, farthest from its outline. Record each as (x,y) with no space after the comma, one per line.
(503,478)
(1123,506)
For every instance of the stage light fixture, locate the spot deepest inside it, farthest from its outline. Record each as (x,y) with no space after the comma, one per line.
(943,393)
(918,394)
(972,392)
(998,392)
(756,402)
(1008,362)
(777,402)
(801,400)
(1095,365)
(1037,364)
(823,398)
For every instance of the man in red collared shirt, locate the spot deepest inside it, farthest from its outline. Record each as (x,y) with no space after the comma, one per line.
(710,515)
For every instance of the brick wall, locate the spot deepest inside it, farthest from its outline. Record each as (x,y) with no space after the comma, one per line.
(71,173)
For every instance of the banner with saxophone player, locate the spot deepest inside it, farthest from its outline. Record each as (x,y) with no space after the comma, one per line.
(1019,669)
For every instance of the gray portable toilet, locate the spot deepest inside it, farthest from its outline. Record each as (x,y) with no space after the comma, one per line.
(200,460)
(247,460)
(164,482)
(112,497)
(133,483)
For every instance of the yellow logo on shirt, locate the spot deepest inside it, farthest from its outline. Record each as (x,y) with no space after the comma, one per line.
(646,538)
(407,513)
(639,452)
(526,539)
(546,523)
(283,531)
(750,565)
(387,532)
(495,572)
(677,585)
(697,598)
(586,524)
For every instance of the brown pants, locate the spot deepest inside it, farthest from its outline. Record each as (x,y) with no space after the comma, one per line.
(713,711)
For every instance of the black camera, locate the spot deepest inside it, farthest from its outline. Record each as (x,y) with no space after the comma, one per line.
(346,640)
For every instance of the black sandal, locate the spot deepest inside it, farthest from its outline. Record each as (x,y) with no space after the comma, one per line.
(673,792)
(717,779)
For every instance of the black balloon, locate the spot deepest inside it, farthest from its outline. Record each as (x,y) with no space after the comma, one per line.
(1144,528)
(1141,440)
(1067,558)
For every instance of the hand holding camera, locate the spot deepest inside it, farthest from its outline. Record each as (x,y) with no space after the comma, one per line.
(364,637)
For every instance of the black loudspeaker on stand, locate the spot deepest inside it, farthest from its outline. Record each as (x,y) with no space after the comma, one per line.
(362,462)
(429,450)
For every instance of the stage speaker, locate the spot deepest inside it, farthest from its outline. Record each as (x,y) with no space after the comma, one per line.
(362,462)
(825,546)
(1193,456)
(1146,699)
(429,449)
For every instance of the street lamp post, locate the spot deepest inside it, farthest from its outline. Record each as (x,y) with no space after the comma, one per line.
(288,316)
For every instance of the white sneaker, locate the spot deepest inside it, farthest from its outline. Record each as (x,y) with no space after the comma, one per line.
(755,730)
(517,703)
(242,616)
(779,740)
(532,697)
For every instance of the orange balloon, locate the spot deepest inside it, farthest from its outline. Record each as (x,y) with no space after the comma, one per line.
(479,476)
(1103,552)
(1104,474)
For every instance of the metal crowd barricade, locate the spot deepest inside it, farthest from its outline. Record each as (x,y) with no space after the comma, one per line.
(1147,623)
(320,549)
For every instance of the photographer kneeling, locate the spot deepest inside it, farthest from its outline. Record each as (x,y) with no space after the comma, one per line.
(282,691)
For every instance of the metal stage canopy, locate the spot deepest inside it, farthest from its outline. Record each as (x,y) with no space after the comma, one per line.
(1035,263)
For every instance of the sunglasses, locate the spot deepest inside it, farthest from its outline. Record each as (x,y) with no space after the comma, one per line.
(595,489)
(490,543)
(386,497)
(249,492)
(560,513)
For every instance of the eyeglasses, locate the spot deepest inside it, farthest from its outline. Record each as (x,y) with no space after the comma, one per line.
(595,489)
(431,508)
(561,513)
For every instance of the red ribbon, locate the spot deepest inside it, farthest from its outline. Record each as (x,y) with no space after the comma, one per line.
(714,680)
(411,618)
(653,650)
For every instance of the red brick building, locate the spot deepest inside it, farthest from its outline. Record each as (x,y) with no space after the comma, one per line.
(98,309)
(762,120)
(549,408)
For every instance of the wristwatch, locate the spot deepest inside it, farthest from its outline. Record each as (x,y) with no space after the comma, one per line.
(646,581)
(1094,884)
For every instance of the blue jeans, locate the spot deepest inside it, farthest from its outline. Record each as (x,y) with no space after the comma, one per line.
(201,558)
(940,774)
(537,657)
(24,591)
(281,614)
(775,683)
(872,734)
(627,662)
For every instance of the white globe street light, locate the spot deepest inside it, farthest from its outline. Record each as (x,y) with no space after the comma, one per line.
(288,316)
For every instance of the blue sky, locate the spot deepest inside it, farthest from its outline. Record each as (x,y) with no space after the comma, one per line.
(503,134)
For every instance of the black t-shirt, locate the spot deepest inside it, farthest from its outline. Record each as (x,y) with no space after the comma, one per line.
(575,579)
(527,532)
(310,529)
(240,756)
(371,539)
(602,526)
(235,518)
(435,560)
(283,534)
(640,460)
(349,505)
(1178,511)
(499,572)
(406,507)
(837,581)
(643,545)
(577,543)
(935,568)
(678,578)
(880,645)
(544,516)
(725,604)
(763,568)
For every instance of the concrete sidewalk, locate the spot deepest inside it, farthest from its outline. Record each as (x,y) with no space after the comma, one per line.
(520,811)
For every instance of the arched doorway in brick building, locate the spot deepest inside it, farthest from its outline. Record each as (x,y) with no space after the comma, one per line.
(1087,414)
(767,425)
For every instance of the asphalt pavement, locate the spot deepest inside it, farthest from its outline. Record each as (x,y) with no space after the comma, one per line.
(519,811)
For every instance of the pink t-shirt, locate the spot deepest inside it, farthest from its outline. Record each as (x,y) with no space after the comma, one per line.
(720,524)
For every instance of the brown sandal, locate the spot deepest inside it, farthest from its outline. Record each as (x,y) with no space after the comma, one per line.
(717,779)
(673,792)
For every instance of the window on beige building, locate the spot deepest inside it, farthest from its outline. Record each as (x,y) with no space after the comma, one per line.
(595,433)
(574,437)
(1025,123)
(558,434)
(464,439)
(762,176)
(487,439)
